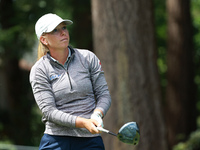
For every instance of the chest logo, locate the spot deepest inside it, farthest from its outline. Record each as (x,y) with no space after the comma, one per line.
(55,76)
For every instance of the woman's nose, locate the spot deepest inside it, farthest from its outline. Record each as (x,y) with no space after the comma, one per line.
(63,32)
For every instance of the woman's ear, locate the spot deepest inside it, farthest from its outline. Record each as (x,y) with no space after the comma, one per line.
(43,40)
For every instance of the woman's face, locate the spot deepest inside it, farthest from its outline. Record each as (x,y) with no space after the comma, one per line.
(57,39)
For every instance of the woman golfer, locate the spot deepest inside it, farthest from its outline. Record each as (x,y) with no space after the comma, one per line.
(70,89)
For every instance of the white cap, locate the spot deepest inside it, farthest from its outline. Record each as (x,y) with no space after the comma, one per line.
(48,23)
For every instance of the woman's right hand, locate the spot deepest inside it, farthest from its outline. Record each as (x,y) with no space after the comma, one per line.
(89,124)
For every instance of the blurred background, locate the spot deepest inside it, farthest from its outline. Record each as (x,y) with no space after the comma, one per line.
(149,50)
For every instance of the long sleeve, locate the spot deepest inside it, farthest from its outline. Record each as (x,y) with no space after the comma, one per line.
(44,97)
(100,85)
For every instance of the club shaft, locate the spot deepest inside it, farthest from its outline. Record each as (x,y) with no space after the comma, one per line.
(106,131)
(111,133)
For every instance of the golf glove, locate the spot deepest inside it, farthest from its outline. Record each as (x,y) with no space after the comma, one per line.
(98,117)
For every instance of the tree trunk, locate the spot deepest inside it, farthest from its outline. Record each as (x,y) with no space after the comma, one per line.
(180,93)
(124,40)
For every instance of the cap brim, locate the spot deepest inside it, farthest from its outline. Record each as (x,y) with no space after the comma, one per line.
(55,24)
(68,22)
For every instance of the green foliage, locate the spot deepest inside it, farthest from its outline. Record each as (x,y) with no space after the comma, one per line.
(37,127)
(17,29)
(192,144)
(195,11)
(10,147)
(161,37)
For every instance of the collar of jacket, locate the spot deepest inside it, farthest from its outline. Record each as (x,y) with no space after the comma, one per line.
(72,54)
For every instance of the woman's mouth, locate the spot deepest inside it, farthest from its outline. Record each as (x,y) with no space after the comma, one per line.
(65,39)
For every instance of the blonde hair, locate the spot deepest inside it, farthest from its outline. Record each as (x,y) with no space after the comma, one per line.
(42,50)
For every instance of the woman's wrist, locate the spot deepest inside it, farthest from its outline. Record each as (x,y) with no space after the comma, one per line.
(80,122)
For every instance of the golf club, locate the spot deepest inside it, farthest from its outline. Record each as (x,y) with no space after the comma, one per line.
(129,133)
